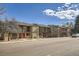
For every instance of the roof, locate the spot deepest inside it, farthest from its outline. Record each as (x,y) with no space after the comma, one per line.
(22,23)
(42,25)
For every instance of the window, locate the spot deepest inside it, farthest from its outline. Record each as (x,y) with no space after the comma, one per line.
(28,29)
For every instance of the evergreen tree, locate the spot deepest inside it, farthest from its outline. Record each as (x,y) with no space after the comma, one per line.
(76,28)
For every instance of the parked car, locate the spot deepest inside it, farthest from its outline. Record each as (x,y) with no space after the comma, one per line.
(75,35)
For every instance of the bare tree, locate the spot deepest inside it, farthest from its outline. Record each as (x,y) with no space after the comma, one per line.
(2,11)
(9,26)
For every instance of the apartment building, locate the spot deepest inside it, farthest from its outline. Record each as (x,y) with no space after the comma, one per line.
(22,30)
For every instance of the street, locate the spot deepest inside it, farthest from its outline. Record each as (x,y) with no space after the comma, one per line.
(41,47)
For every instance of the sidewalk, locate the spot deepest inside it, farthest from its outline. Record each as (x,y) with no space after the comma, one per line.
(30,40)
(15,41)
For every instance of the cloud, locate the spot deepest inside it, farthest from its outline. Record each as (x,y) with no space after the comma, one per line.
(67,11)
(49,12)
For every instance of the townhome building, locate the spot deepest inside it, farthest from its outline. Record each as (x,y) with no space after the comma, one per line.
(12,30)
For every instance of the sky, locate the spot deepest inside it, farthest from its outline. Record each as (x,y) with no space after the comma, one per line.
(35,12)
